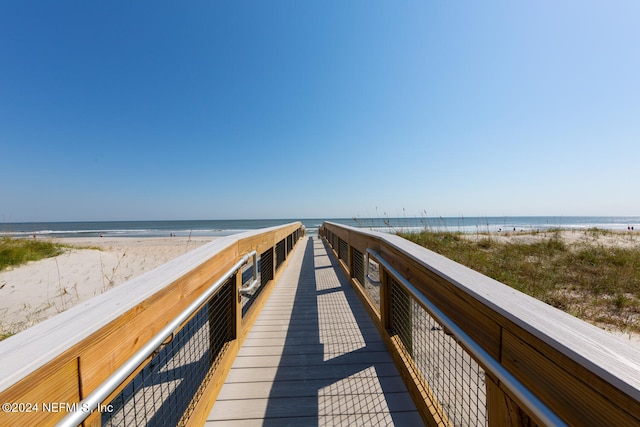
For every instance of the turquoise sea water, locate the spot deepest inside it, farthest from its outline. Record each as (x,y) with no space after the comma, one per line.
(227,227)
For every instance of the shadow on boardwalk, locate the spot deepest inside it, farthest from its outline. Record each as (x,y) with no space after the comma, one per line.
(334,369)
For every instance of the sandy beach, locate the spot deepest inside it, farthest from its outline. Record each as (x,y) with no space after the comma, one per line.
(573,238)
(38,290)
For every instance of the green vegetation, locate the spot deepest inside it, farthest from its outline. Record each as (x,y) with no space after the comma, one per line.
(15,252)
(598,283)
(19,251)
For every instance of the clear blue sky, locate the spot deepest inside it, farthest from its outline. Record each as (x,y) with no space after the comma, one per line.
(120,110)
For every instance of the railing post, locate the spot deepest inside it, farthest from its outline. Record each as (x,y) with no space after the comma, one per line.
(238,304)
(401,300)
(350,265)
(228,300)
(274,257)
(501,409)
(385,297)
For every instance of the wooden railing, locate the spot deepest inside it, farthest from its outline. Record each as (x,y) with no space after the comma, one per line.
(48,369)
(575,373)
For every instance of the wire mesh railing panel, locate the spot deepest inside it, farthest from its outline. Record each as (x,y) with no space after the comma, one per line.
(357,266)
(456,381)
(343,251)
(266,267)
(402,315)
(166,390)
(280,253)
(359,272)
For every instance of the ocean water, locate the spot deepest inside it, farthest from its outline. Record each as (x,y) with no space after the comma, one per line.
(493,224)
(228,227)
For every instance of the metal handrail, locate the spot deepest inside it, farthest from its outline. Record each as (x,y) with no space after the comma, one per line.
(91,402)
(255,282)
(366,272)
(530,400)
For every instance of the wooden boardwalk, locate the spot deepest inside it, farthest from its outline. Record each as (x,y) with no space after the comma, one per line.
(313,357)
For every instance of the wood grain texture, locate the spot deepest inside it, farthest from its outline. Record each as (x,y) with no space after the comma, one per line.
(62,382)
(502,410)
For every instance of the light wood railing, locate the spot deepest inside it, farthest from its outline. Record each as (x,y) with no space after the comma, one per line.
(580,374)
(49,368)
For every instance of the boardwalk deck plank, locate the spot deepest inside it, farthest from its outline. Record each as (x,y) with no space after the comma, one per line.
(262,390)
(313,357)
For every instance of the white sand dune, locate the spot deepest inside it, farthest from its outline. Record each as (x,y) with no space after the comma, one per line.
(38,290)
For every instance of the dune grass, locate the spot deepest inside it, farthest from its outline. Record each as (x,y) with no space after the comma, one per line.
(597,283)
(14,252)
